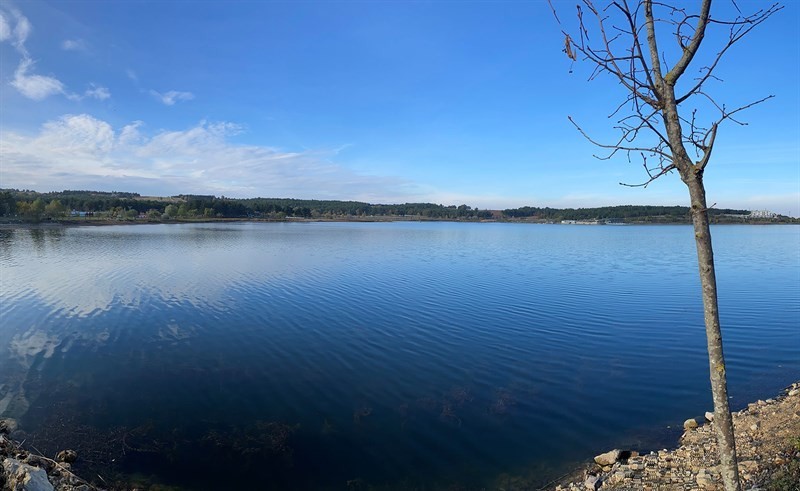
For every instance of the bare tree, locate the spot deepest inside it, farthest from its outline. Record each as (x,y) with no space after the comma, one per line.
(667,119)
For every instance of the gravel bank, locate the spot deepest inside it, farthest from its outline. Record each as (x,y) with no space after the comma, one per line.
(767,444)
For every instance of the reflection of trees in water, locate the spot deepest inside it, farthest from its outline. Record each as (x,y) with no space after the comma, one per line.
(41,236)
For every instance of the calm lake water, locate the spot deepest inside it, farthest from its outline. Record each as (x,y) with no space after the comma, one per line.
(397,355)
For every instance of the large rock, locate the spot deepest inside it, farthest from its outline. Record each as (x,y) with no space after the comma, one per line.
(709,416)
(608,458)
(24,477)
(8,425)
(690,424)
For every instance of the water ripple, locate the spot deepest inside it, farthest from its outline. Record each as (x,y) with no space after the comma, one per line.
(406,352)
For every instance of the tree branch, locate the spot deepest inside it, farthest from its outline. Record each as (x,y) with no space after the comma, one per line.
(653,177)
(751,22)
(617,147)
(689,51)
(652,44)
(700,166)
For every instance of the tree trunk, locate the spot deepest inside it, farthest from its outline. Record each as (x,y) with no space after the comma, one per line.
(723,422)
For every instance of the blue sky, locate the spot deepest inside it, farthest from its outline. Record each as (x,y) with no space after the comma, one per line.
(446,102)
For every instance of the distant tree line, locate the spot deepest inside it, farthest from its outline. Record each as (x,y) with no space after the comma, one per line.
(31,206)
(625,212)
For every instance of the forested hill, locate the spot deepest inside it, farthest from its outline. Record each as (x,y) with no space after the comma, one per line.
(624,212)
(27,204)
(31,206)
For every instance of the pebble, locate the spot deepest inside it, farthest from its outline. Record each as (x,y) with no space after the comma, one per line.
(592,482)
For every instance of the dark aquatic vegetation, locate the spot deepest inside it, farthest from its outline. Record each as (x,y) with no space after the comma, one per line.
(362,356)
(361,412)
(448,415)
(502,402)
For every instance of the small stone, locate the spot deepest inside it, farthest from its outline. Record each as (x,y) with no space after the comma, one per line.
(592,482)
(794,392)
(690,424)
(748,466)
(709,416)
(755,426)
(703,480)
(608,458)
(67,456)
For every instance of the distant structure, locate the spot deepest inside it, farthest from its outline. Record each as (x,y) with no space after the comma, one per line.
(763,214)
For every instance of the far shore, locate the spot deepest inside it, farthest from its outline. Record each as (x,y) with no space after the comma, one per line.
(102,222)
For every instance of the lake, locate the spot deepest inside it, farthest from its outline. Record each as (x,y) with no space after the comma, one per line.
(393,355)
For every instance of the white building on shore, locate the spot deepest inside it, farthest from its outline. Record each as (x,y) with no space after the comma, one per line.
(762,214)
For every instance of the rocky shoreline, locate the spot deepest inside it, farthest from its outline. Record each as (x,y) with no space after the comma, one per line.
(767,444)
(22,470)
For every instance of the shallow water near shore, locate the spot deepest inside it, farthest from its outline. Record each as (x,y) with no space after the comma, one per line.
(313,355)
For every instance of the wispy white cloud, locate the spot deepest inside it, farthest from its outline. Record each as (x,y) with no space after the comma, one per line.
(5,28)
(131,75)
(29,84)
(74,45)
(85,152)
(97,92)
(93,92)
(171,97)
(22,30)
(129,135)
(32,86)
